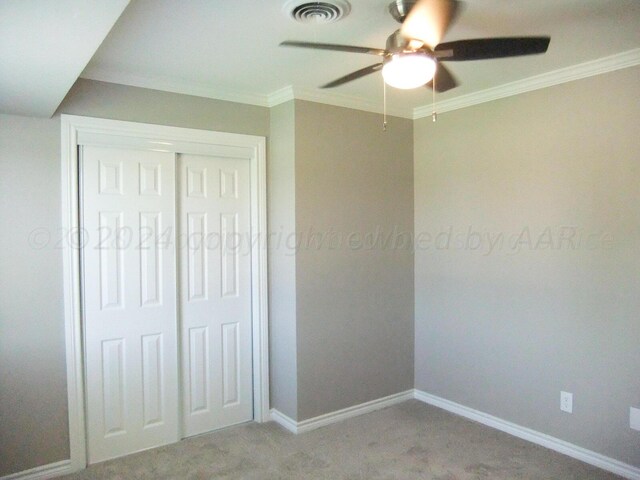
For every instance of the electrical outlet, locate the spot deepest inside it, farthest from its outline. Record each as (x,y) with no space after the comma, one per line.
(566,402)
(634,418)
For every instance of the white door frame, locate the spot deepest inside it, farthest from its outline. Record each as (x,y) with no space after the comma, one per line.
(78,130)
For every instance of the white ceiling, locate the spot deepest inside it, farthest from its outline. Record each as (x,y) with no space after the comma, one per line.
(45,45)
(229,49)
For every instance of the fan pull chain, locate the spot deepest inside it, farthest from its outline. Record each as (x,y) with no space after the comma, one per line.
(384,106)
(434,115)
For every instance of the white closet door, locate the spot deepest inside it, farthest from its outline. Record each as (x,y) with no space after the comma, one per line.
(215,278)
(128,211)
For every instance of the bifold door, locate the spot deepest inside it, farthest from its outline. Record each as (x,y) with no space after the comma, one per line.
(146,246)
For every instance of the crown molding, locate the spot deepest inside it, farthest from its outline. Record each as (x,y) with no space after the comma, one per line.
(283,95)
(332,98)
(611,63)
(270,100)
(185,88)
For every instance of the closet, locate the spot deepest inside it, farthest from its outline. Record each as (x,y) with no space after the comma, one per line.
(166,291)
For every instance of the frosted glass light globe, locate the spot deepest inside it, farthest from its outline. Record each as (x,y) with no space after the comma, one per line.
(408,70)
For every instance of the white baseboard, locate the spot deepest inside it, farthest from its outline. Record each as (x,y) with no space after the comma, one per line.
(552,443)
(284,421)
(339,415)
(51,470)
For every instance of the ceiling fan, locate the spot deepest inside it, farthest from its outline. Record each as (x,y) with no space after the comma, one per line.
(413,55)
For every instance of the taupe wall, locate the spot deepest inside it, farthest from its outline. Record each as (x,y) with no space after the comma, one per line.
(33,395)
(504,331)
(282,261)
(33,411)
(354,305)
(119,102)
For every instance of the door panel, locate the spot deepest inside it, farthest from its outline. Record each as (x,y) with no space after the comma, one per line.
(129,300)
(215,307)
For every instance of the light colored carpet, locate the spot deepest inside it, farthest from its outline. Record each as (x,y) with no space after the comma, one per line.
(410,440)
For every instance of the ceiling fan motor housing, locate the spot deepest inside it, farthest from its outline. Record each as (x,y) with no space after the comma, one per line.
(399,9)
(396,43)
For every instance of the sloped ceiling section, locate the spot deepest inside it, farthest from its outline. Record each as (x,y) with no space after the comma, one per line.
(45,45)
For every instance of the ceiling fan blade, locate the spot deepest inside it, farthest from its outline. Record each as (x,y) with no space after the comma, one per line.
(354,75)
(484,48)
(429,20)
(334,47)
(444,79)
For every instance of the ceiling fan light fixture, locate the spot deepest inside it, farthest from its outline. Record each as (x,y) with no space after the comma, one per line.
(408,70)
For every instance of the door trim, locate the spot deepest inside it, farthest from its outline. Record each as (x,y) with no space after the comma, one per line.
(164,138)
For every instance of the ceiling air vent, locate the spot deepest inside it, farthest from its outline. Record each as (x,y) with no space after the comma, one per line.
(317,12)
